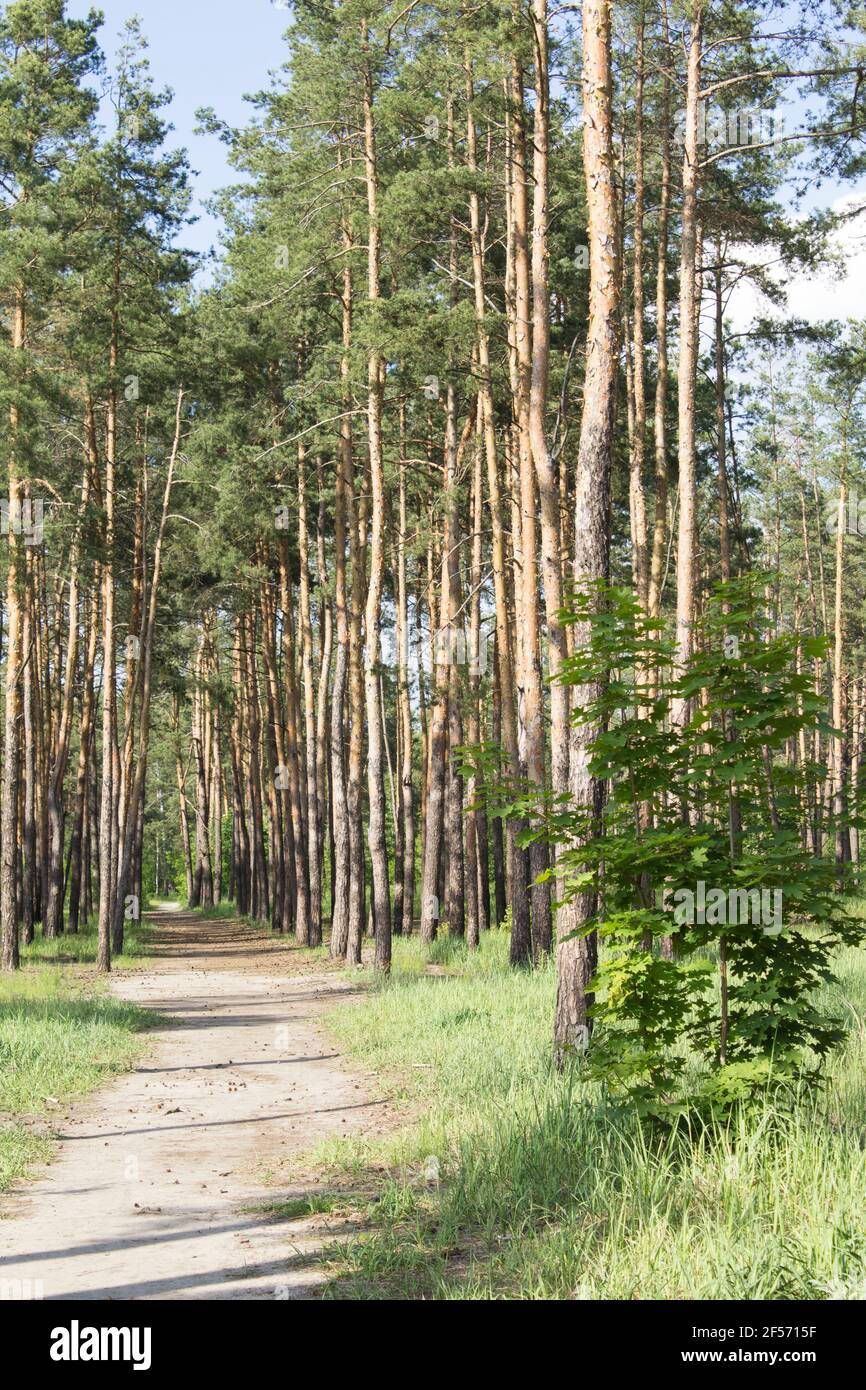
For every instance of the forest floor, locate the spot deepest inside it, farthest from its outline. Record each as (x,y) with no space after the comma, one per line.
(252,1153)
(507,1180)
(163,1182)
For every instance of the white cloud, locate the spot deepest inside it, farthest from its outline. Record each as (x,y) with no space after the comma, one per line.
(812,297)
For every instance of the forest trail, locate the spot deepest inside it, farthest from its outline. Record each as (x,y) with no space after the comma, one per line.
(149,1195)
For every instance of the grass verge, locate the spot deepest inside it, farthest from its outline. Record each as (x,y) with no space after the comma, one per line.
(219,912)
(516,1182)
(81,948)
(61,1036)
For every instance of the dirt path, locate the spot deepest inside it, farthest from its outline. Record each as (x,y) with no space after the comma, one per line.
(148,1196)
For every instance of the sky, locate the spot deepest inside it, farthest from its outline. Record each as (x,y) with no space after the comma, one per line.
(213,52)
(831,294)
(827,295)
(210,52)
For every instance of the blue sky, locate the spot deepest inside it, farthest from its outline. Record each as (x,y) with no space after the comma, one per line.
(213,52)
(210,52)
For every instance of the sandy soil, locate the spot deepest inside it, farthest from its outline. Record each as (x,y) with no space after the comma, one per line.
(150,1193)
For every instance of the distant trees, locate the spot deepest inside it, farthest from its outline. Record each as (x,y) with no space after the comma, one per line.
(89,279)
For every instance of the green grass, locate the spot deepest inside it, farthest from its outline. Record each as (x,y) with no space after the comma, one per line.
(61,1036)
(515,1182)
(219,912)
(299,1208)
(81,948)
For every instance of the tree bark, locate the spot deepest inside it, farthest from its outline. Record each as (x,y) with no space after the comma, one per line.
(14,657)
(576,955)
(688,362)
(375,371)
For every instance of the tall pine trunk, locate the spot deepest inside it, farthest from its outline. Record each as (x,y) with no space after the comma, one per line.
(576,955)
